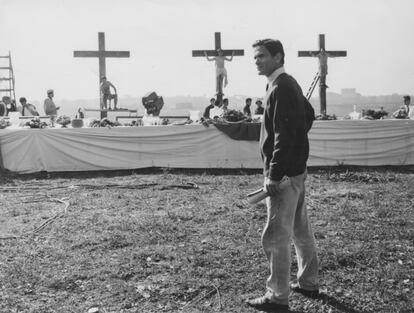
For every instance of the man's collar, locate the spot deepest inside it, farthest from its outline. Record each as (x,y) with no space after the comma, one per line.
(275,74)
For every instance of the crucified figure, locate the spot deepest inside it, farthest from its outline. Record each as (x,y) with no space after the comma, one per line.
(221,73)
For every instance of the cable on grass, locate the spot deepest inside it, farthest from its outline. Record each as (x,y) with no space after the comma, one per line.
(57,215)
(45,223)
(203,295)
(189,185)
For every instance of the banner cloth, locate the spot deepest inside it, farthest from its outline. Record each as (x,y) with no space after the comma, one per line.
(383,142)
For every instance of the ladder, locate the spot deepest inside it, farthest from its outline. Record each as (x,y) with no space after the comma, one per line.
(7,75)
(313,85)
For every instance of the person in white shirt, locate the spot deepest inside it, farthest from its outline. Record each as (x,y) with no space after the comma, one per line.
(409,108)
(217,111)
(26,109)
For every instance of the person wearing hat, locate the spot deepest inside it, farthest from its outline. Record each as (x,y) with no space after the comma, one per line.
(50,106)
(26,109)
(259,110)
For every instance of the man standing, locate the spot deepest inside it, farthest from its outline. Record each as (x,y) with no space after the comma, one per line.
(107,95)
(285,150)
(246,109)
(50,106)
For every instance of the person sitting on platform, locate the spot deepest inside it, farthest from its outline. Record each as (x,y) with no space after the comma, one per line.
(26,109)
(217,110)
(259,109)
(206,113)
(107,95)
(409,108)
(246,109)
(225,106)
(10,104)
(50,106)
(403,111)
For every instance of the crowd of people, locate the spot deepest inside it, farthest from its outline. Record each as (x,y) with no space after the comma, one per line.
(25,108)
(217,109)
(7,105)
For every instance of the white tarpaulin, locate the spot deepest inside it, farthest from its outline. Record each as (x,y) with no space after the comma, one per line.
(384,142)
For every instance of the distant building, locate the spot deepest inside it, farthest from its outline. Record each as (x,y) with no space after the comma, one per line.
(184,106)
(350,93)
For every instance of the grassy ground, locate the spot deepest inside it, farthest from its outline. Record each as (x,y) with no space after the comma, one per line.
(151,242)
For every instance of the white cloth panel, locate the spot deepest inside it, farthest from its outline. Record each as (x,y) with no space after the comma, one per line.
(384,142)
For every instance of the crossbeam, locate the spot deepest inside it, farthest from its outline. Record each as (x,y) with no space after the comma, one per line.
(323,56)
(215,53)
(101,54)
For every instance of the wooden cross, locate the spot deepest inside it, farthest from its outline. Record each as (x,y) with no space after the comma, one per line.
(225,52)
(323,56)
(101,54)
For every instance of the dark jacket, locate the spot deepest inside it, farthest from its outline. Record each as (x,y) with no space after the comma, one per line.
(287,119)
(246,110)
(206,113)
(259,110)
(3,109)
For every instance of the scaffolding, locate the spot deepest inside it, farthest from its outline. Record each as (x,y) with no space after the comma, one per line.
(7,82)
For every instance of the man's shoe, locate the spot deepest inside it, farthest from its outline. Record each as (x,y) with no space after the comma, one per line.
(314,294)
(265,304)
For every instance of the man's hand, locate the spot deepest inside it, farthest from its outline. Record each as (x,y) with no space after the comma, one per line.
(271,186)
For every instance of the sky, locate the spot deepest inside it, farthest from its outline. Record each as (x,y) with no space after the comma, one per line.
(41,35)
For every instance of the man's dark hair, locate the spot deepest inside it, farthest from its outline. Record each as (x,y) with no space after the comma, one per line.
(272,45)
(248,99)
(225,99)
(212,99)
(22,99)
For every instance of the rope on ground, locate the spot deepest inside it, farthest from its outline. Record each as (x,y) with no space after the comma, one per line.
(198,298)
(189,185)
(203,295)
(218,295)
(57,215)
(45,223)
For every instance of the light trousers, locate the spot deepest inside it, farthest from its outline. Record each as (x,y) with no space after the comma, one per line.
(287,218)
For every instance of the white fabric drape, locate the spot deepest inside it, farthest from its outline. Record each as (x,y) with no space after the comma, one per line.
(387,142)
